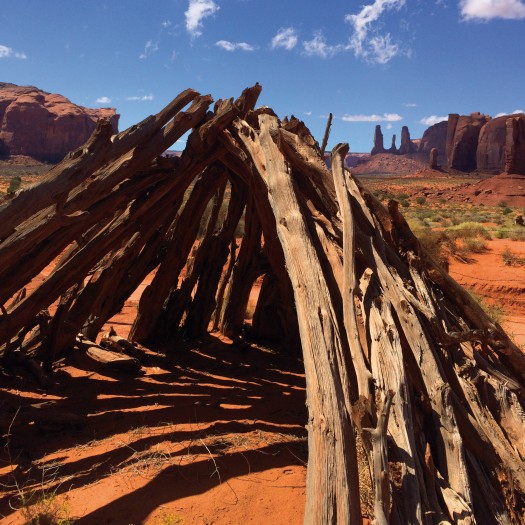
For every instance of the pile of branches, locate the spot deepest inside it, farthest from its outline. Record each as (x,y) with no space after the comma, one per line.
(415,395)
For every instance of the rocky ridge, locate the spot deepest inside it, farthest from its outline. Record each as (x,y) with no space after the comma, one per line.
(44,126)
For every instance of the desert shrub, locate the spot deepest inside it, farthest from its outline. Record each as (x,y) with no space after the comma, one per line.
(14,185)
(468,230)
(45,509)
(506,211)
(474,245)
(402,197)
(501,234)
(517,235)
(502,204)
(436,244)
(421,200)
(512,259)
(405,203)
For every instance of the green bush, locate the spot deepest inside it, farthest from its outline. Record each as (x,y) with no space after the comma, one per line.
(421,200)
(468,230)
(475,245)
(14,185)
(511,259)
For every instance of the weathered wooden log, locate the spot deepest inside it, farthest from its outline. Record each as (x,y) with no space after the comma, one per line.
(179,301)
(248,267)
(165,281)
(113,361)
(330,428)
(203,304)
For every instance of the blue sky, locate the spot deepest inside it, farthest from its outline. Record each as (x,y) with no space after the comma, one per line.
(388,62)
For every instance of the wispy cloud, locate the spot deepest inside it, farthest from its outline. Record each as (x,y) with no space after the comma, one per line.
(385,117)
(149,48)
(515,112)
(197,11)
(433,119)
(103,100)
(234,46)
(9,52)
(410,105)
(489,9)
(307,113)
(318,47)
(140,98)
(285,38)
(366,42)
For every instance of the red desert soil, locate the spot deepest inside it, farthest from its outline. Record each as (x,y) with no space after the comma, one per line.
(211,432)
(497,283)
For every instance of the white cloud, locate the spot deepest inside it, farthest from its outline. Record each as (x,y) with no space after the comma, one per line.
(489,9)
(149,48)
(318,47)
(410,105)
(308,113)
(383,50)
(515,112)
(386,117)
(234,46)
(375,48)
(165,24)
(141,98)
(103,100)
(286,38)
(389,126)
(197,11)
(433,119)
(8,52)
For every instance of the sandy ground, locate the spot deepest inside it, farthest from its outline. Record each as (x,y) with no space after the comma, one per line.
(497,283)
(210,434)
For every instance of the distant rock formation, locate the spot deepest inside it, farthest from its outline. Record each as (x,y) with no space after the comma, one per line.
(489,145)
(433,159)
(42,125)
(515,144)
(378,142)
(435,137)
(406,144)
(393,149)
(462,140)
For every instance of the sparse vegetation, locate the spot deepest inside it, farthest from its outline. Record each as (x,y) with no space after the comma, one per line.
(45,509)
(14,185)
(494,311)
(511,259)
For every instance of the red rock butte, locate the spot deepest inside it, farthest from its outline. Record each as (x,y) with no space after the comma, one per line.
(43,125)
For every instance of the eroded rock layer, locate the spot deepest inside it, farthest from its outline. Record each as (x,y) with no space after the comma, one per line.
(43,125)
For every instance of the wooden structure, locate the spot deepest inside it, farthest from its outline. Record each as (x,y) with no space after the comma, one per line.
(414,395)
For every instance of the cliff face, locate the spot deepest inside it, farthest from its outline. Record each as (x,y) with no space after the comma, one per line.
(434,137)
(42,125)
(515,144)
(491,145)
(462,140)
